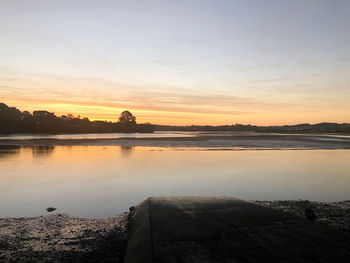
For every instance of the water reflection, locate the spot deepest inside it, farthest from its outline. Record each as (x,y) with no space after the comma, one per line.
(42,151)
(126,150)
(94,181)
(7,150)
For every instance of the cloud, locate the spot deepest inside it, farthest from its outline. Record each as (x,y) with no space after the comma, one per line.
(92,92)
(162,103)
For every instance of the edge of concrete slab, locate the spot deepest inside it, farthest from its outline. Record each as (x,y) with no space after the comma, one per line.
(140,243)
(139,247)
(163,220)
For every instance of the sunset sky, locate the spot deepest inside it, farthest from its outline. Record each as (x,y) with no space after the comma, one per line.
(179,62)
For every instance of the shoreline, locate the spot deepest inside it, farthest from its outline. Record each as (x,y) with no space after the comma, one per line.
(63,237)
(334,214)
(215,141)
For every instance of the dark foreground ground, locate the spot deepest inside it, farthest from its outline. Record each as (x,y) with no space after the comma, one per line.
(334,214)
(185,224)
(224,229)
(61,238)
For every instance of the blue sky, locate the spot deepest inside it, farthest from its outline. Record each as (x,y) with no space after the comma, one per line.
(215,62)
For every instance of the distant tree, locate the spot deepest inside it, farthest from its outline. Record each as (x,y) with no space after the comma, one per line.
(9,118)
(26,114)
(46,121)
(127,122)
(127,117)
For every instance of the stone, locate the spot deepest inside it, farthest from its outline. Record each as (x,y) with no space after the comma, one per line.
(50,209)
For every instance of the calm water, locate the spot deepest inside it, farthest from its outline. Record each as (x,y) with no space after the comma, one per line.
(98,181)
(158,134)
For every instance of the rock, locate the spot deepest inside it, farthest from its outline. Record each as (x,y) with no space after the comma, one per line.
(50,209)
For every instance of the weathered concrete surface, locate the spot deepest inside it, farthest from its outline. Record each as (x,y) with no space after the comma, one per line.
(221,229)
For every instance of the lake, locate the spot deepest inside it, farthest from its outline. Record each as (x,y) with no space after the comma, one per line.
(103,181)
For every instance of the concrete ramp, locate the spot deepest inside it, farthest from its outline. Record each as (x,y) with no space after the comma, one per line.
(222,229)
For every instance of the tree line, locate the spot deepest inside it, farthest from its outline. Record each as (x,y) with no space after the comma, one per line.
(324,127)
(13,120)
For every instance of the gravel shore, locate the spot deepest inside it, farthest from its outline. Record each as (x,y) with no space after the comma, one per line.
(62,238)
(334,214)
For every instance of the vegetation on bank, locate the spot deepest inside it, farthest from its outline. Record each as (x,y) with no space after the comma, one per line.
(13,120)
(299,128)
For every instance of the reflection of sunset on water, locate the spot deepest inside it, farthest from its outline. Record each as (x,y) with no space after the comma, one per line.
(99,181)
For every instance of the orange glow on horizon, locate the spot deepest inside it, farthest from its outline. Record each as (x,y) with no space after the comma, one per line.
(221,68)
(166,117)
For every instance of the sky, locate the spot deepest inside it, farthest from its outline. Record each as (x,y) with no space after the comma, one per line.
(179,62)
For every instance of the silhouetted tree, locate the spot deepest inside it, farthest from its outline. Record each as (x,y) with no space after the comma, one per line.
(46,122)
(9,118)
(127,117)
(13,120)
(127,121)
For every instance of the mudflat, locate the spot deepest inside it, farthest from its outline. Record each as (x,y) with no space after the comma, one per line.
(203,141)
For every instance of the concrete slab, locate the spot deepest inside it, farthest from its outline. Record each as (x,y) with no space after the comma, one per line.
(225,229)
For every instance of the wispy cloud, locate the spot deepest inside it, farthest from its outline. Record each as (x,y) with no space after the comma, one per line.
(99,92)
(105,99)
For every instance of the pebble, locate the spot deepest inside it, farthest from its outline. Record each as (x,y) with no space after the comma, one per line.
(50,209)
